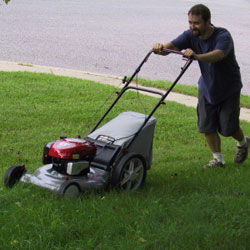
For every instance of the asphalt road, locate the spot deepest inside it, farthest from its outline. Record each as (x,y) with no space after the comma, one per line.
(113,36)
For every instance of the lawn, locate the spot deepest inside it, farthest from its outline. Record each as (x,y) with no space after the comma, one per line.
(181,206)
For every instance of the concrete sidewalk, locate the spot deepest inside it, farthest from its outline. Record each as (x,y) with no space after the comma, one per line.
(105,79)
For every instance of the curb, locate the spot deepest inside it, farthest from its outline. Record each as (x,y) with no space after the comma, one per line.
(189,101)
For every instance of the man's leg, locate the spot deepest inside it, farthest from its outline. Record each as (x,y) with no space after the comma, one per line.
(213,140)
(207,122)
(239,136)
(230,122)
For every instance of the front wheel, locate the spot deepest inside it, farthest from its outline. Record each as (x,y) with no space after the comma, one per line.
(13,175)
(130,173)
(69,189)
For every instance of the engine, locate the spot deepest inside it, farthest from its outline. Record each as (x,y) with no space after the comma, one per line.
(70,156)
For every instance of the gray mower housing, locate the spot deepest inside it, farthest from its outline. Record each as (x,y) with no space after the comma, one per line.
(111,141)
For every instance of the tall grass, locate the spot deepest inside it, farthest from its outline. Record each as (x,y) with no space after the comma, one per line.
(181,206)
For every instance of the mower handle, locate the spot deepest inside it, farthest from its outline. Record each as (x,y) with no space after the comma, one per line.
(183,69)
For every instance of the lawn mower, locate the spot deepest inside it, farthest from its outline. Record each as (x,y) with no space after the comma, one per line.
(117,154)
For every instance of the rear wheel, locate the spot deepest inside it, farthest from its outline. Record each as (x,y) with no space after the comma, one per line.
(69,189)
(130,173)
(13,175)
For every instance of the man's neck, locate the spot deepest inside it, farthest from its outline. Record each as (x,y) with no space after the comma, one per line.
(208,33)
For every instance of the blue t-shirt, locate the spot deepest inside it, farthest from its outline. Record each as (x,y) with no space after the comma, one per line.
(218,80)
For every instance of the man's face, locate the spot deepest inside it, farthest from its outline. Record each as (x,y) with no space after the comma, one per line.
(197,25)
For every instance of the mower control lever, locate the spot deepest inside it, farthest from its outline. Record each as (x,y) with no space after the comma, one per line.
(179,53)
(173,51)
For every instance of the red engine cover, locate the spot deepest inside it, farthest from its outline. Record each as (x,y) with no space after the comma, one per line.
(72,148)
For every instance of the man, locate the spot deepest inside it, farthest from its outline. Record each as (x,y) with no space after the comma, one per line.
(219,85)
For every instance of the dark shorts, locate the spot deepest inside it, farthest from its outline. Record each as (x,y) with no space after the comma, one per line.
(222,117)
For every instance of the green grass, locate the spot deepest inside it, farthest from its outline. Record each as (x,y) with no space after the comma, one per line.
(181,206)
(184,89)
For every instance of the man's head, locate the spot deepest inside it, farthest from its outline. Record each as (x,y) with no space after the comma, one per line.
(199,18)
(200,10)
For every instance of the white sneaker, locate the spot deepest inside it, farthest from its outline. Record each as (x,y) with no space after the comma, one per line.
(215,164)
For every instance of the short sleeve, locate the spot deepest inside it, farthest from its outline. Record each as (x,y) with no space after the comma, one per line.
(224,42)
(182,41)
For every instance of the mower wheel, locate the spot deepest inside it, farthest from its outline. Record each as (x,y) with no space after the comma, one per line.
(69,189)
(130,172)
(13,175)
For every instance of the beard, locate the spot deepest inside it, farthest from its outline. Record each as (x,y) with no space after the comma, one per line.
(196,32)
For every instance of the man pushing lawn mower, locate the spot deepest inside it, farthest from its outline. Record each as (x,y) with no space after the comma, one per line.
(219,85)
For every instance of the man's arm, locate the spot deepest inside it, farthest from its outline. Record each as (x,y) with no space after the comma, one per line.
(158,47)
(211,57)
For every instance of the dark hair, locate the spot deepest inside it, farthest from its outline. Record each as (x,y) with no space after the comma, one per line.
(200,10)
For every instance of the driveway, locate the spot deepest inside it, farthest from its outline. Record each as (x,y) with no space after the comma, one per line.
(112,37)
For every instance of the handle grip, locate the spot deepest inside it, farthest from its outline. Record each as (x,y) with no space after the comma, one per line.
(173,51)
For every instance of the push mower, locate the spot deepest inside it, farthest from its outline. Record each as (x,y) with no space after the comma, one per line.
(117,154)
